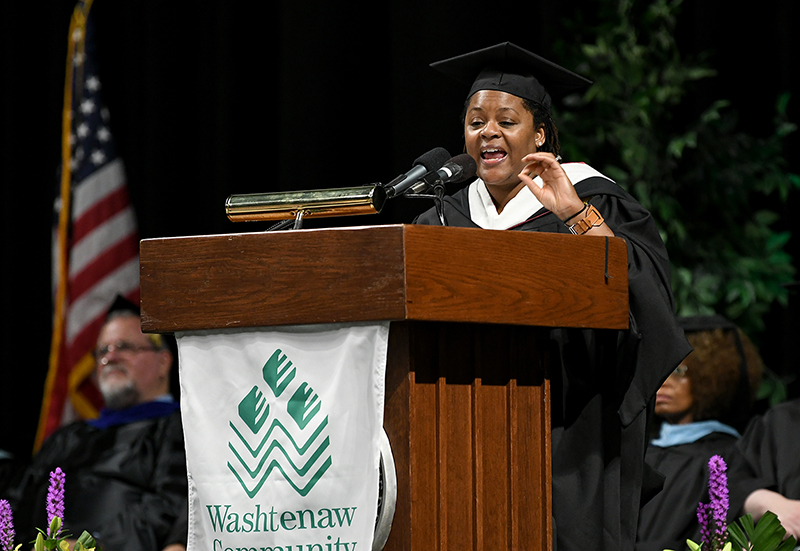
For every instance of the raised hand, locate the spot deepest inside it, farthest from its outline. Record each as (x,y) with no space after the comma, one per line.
(557,193)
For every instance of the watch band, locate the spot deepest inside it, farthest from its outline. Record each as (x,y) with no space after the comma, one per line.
(585,206)
(591,219)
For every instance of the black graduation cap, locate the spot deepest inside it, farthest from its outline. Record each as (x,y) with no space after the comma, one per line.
(693,324)
(508,68)
(121,304)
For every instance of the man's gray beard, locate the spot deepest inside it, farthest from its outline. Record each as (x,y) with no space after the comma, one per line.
(119,397)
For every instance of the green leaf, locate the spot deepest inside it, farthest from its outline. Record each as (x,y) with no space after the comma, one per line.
(55,527)
(739,536)
(87,540)
(768,533)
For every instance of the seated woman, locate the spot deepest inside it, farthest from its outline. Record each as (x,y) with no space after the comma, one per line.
(703,405)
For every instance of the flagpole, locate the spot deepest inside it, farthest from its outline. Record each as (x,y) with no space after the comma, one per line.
(76,41)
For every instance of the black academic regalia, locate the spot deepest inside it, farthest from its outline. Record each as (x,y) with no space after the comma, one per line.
(767,456)
(604,381)
(10,469)
(126,484)
(670,518)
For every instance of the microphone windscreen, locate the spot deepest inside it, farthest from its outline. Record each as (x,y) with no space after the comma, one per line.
(433,159)
(468,166)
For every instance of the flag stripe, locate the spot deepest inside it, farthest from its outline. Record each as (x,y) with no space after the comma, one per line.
(103,211)
(103,236)
(103,264)
(86,398)
(95,302)
(97,186)
(53,405)
(84,342)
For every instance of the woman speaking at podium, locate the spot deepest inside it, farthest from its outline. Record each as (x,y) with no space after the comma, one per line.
(603,382)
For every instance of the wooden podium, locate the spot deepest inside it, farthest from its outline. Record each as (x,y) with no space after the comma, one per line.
(467,395)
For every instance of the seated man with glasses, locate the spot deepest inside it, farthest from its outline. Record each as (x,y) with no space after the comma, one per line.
(126,470)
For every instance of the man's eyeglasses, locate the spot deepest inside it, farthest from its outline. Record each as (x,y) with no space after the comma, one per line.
(123,348)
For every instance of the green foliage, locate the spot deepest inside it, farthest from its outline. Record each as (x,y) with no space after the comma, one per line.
(55,540)
(714,190)
(767,535)
(699,546)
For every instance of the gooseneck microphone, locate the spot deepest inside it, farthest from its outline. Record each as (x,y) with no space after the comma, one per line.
(460,167)
(428,162)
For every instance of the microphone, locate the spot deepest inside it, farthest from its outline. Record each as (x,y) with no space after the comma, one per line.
(460,167)
(432,160)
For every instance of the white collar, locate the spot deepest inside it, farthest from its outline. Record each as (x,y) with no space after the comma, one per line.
(522,206)
(484,213)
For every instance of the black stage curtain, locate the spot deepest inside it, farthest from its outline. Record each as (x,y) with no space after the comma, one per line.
(210,98)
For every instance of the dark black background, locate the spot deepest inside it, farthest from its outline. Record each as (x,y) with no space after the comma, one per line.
(209,99)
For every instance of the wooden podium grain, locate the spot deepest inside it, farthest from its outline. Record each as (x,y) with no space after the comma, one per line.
(467,408)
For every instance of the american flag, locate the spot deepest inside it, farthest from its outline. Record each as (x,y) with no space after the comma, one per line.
(95,242)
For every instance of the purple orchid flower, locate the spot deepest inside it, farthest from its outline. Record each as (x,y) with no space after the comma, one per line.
(712,516)
(55,497)
(6,526)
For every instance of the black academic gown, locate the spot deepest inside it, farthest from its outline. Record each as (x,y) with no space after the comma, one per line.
(9,471)
(604,381)
(670,518)
(767,456)
(126,484)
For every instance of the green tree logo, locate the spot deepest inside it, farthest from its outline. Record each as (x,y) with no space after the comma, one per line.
(257,453)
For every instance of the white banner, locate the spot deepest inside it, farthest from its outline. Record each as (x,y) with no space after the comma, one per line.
(282,429)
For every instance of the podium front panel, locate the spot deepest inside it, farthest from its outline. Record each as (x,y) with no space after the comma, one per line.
(467,413)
